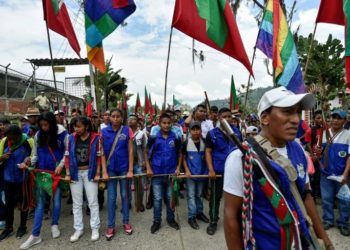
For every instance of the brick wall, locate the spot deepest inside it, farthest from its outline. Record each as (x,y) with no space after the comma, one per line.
(12,106)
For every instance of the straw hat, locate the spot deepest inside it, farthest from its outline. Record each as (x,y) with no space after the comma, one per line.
(32,112)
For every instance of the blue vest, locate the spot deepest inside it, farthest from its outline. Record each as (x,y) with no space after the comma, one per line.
(73,164)
(164,153)
(337,157)
(119,161)
(25,129)
(46,160)
(266,228)
(222,147)
(195,159)
(11,171)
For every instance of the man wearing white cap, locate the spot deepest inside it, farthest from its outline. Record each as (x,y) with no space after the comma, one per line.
(284,215)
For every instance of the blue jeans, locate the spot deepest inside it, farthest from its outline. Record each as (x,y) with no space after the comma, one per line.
(329,190)
(112,198)
(2,204)
(162,187)
(39,210)
(194,200)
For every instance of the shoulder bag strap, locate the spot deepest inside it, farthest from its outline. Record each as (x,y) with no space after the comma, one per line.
(52,154)
(287,165)
(116,139)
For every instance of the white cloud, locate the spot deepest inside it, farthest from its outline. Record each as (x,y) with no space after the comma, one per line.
(306,21)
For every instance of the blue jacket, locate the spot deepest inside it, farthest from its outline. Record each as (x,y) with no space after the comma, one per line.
(119,161)
(163,153)
(11,172)
(266,228)
(195,159)
(93,150)
(222,147)
(46,160)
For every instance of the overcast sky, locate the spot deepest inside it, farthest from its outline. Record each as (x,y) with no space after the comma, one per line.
(140,48)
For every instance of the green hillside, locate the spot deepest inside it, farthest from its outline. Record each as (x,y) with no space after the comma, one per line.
(252,103)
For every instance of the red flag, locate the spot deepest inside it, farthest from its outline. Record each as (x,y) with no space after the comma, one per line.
(57,18)
(332,11)
(151,108)
(89,108)
(138,104)
(217,30)
(147,103)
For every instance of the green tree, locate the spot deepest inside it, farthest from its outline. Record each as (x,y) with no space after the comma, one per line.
(110,86)
(325,71)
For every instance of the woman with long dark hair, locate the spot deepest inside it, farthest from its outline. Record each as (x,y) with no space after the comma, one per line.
(118,149)
(48,156)
(83,168)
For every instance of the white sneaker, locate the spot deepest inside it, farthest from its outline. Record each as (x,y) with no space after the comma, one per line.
(75,237)
(32,240)
(55,231)
(95,235)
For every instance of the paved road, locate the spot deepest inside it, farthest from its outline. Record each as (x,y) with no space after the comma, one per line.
(167,238)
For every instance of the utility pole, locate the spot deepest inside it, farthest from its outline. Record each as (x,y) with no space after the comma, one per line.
(6,80)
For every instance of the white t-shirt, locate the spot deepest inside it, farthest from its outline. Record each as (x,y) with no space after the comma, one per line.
(43,101)
(233,179)
(103,125)
(206,126)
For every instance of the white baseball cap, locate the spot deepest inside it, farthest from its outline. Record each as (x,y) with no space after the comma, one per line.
(283,98)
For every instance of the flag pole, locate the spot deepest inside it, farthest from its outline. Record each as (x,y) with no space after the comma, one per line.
(250,76)
(93,89)
(310,51)
(52,66)
(167,68)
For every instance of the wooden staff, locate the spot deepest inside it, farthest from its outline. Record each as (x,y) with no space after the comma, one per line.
(310,51)
(207,104)
(183,176)
(167,69)
(180,176)
(249,78)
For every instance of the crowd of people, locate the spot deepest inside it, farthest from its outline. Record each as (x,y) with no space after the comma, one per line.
(285,174)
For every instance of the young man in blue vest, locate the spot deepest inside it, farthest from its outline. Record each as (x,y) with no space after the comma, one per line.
(194,164)
(15,149)
(163,157)
(218,147)
(279,211)
(335,161)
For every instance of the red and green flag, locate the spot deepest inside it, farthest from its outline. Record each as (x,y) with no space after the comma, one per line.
(176,103)
(338,12)
(89,107)
(212,23)
(47,182)
(138,104)
(151,108)
(147,103)
(233,96)
(156,109)
(57,19)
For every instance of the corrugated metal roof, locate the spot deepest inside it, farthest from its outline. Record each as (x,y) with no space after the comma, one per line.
(59,61)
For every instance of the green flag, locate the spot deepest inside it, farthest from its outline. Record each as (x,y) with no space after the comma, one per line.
(233,96)
(176,103)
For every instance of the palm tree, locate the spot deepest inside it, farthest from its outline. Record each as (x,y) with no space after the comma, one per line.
(110,86)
